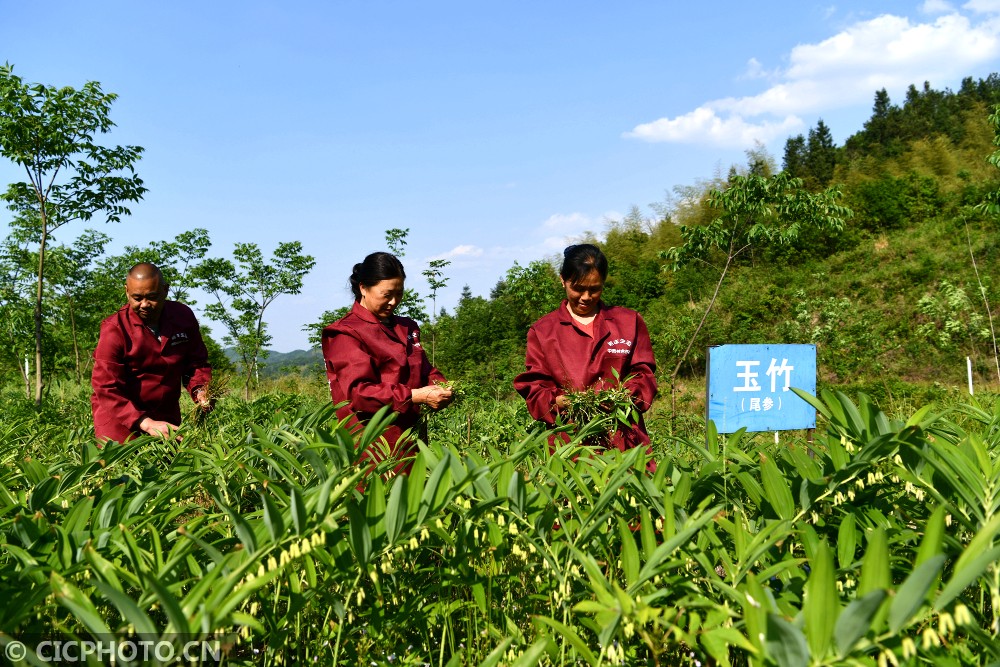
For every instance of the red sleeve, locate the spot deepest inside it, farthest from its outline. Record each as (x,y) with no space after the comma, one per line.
(538,387)
(433,374)
(198,373)
(642,368)
(108,378)
(355,371)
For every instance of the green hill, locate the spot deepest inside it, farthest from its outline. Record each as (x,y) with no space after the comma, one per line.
(900,296)
(296,362)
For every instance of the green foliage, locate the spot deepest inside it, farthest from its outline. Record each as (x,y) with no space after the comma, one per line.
(434,274)
(243,295)
(50,133)
(483,342)
(610,407)
(754,211)
(952,319)
(892,203)
(261,528)
(412,305)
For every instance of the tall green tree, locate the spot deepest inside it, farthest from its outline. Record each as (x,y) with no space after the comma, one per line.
(243,292)
(794,161)
(821,156)
(435,280)
(16,328)
(753,210)
(72,275)
(50,133)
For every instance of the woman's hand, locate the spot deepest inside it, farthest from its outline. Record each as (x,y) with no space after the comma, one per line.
(433,396)
(562,402)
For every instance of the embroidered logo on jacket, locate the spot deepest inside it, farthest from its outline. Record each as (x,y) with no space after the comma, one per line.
(415,335)
(179,338)
(619,346)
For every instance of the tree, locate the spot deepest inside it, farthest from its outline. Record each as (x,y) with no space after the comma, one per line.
(753,210)
(794,161)
(72,277)
(821,156)
(176,260)
(50,132)
(412,305)
(243,294)
(435,280)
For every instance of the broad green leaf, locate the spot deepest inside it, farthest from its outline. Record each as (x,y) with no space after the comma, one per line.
(963,577)
(375,510)
(933,540)
(272,517)
(533,654)
(982,541)
(566,632)
(129,610)
(875,564)
(178,622)
(847,540)
(497,654)
(855,621)
(785,643)
(718,642)
(361,538)
(629,556)
(78,604)
(776,489)
(298,511)
(822,603)
(913,592)
(396,508)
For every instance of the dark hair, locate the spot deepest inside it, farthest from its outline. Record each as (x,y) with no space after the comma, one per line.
(580,260)
(375,268)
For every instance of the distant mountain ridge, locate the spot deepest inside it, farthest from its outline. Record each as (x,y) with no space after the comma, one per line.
(283,363)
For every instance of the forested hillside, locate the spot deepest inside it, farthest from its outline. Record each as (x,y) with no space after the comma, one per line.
(892,297)
(887,287)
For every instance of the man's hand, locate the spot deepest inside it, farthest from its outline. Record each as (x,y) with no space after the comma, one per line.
(202,400)
(158,428)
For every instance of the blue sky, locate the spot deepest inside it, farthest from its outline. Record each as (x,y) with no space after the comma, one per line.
(495,131)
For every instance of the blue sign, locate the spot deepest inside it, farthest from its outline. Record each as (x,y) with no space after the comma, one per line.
(751,386)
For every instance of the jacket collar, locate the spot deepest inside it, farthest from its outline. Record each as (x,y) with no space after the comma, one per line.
(366,315)
(165,326)
(600,320)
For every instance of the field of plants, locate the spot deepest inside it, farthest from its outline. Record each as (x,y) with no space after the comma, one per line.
(874,544)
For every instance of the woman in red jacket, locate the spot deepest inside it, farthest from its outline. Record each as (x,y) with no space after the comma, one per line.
(374,358)
(587,345)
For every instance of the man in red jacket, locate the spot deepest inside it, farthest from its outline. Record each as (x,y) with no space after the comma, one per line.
(146,352)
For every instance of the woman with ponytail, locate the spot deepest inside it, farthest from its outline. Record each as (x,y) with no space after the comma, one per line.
(585,345)
(374,358)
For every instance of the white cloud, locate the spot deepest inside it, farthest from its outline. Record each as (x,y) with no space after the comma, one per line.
(572,223)
(936,7)
(885,52)
(755,70)
(704,124)
(983,6)
(461,252)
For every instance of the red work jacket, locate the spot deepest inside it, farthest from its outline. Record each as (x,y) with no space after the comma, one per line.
(562,358)
(137,376)
(370,364)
